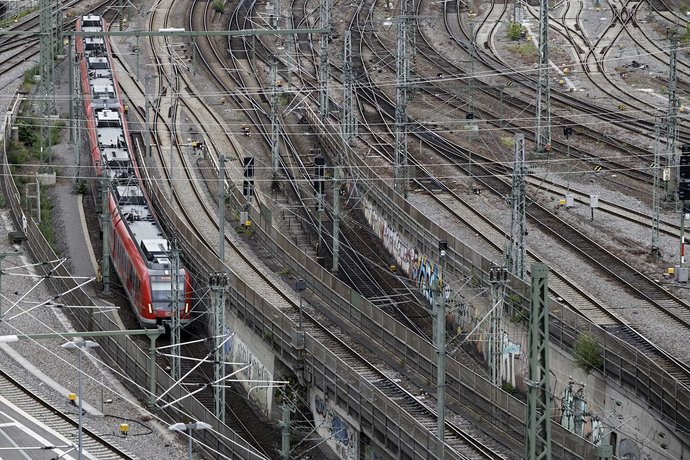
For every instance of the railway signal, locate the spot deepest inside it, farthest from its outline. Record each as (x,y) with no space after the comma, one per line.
(684,169)
(684,191)
(319,166)
(248,183)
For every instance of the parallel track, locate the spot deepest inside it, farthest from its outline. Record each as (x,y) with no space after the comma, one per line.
(59,421)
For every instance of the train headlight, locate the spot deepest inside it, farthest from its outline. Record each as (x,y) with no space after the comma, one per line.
(186,307)
(150,309)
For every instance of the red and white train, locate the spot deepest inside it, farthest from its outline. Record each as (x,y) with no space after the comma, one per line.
(140,253)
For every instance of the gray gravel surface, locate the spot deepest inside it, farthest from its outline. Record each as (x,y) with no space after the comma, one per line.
(148,439)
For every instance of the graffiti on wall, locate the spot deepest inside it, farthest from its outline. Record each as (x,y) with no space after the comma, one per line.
(344,437)
(418,267)
(510,351)
(256,371)
(574,409)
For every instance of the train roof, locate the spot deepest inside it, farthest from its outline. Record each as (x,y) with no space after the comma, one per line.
(91,23)
(129,194)
(94,41)
(156,251)
(130,199)
(109,129)
(145,230)
(98,62)
(116,156)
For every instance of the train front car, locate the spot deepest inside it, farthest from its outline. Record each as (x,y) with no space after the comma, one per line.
(140,254)
(146,260)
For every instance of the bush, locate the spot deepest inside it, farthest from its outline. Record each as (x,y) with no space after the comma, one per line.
(514,30)
(18,154)
(30,74)
(28,132)
(80,187)
(56,132)
(508,388)
(587,354)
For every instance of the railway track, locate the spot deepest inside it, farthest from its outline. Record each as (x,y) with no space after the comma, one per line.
(671,307)
(455,438)
(459,442)
(59,421)
(21,43)
(639,285)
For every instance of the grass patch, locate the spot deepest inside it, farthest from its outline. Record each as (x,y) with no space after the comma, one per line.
(28,81)
(218,6)
(507,142)
(527,49)
(46,224)
(9,21)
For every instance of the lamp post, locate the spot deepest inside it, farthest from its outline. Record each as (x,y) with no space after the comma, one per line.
(80,345)
(300,286)
(189,427)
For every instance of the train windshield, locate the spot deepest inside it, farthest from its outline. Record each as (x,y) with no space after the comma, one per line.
(161,293)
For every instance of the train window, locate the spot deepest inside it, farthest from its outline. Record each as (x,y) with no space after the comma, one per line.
(160,291)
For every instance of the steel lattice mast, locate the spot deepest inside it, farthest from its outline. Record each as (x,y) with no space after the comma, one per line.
(543,115)
(656,251)
(218,283)
(497,279)
(517,11)
(401,79)
(175,327)
(349,122)
(47,47)
(538,435)
(323,50)
(672,121)
(275,125)
(516,257)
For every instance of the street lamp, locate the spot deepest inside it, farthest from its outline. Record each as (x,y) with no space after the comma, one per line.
(189,427)
(80,345)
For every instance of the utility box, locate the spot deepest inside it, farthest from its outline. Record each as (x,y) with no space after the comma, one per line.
(569,201)
(594,201)
(681,274)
